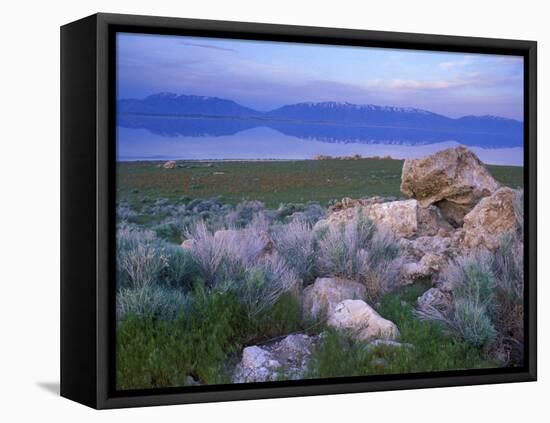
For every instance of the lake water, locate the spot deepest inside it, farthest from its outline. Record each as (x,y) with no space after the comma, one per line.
(156,138)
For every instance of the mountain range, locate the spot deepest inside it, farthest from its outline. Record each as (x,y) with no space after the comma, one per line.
(332,113)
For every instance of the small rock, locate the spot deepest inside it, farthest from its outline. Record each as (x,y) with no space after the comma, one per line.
(170,164)
(361,321)
(288,357)
(257,365)
(321,298)
(190,381)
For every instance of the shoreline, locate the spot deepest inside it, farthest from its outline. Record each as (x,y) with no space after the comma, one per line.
(340,159)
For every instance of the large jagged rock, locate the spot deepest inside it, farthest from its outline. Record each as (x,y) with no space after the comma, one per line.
(453,179)
(287,358)
(490,219)
(361,321)
(320,299)
(404,218)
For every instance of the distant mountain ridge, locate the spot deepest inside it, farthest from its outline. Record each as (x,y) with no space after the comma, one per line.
(337,113)
(174,104)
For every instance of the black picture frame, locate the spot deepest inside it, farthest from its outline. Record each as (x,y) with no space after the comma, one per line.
(88,196)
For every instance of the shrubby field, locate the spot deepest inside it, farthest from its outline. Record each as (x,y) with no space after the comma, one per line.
(272,182)
(220,268)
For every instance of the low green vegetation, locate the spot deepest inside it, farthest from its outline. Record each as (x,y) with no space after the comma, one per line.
(200,342)
(272,182)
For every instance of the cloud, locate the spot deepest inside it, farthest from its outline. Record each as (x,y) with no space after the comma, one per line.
(512,60)
(469,79)
(207,46)
(453,64)
(404,84)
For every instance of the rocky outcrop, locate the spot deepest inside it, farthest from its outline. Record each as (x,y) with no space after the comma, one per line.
(361,321)
(286,359)
(453,179)
(170,164)
(320,299)
(490,219)
(404,218)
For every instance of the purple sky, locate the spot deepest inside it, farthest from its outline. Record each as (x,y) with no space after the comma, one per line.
(266,75)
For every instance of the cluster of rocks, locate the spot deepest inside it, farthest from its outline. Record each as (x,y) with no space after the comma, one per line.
(453,205)
(338,302)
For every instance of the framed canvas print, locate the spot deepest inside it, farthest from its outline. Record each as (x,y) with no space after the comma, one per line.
(254,211)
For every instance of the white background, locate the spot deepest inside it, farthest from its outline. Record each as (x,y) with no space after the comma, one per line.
(29,208)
